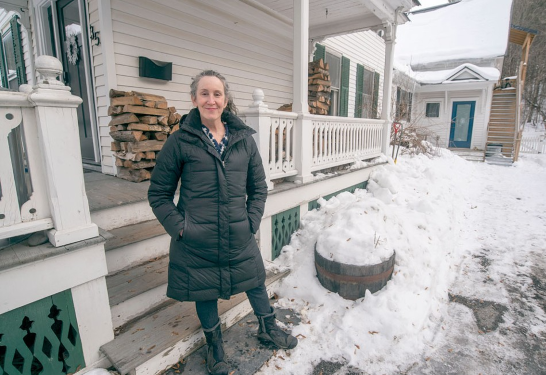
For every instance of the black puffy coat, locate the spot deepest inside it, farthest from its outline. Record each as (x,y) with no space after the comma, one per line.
(220,208)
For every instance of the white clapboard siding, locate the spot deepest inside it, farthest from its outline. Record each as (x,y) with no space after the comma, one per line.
(251,49)
(440,126)
(364,48)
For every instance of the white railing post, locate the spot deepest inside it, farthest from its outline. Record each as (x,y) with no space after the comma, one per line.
(259,119)
(58,131)
(303,148)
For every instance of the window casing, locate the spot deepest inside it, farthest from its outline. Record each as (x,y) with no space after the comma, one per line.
(367,93)
(339,70)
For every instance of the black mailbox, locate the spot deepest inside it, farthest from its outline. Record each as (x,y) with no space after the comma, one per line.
(155,69)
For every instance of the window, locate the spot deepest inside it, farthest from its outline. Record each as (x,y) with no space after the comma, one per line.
(339,79)
(12,65)
(403,105)
(367,93)
(433,110)
(9,58)
(335,80)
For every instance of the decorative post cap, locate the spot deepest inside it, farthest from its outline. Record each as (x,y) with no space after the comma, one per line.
(258,97)
(48,91)
(49,69)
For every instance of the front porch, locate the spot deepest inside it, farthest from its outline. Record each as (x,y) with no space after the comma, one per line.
(107,255)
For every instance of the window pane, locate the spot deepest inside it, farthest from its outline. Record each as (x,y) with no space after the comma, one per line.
(334,103)
(368,82)
(335,69)
(367,104)
(433,110)
(10,55)
(11,66)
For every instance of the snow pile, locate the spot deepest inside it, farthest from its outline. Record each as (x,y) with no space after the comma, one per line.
(414,208)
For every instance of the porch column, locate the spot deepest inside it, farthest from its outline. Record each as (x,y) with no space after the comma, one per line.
(386,107)
(60,145)
(303,135)
(301,56)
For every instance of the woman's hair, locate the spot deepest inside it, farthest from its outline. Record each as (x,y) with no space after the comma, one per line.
(212,73)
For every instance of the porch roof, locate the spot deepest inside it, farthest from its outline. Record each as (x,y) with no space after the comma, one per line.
(328,18)
(464,72)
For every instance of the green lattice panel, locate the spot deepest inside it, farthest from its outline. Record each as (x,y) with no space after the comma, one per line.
(41,338)
(283,225)
(351,189)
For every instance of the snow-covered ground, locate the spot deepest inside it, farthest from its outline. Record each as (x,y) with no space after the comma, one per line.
(471,233)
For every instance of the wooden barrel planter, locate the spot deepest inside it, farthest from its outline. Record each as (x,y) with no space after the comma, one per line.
(351,281)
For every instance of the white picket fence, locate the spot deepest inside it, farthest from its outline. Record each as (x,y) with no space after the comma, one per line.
(535,144)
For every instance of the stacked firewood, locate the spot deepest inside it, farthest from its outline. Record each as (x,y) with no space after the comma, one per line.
(140,126)
(319,87)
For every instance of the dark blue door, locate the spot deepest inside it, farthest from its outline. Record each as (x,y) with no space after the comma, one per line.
(462,120)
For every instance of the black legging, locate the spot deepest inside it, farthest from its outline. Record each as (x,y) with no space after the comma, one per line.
(207,311)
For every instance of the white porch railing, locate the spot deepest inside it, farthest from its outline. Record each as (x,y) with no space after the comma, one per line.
(341,140)
(535,144)
(41,175)
(294,147)
(23,188)
(282,145)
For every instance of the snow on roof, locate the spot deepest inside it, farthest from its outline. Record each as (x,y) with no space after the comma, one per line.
(468,29)
(445,76)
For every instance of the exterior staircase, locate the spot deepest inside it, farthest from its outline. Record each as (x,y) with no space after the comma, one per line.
(502,129)
(152,332)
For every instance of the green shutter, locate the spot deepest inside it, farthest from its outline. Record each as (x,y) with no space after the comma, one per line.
(375,105)
(344,89)
(3,67)
(359,90)
(18,50)
(320,52)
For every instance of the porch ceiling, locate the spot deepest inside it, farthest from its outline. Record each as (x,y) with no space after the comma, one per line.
(329,17)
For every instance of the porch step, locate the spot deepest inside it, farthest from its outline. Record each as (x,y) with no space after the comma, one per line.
(498,160)
(116,203)
(134,244)
(155,342)
(135,291)
(469,155)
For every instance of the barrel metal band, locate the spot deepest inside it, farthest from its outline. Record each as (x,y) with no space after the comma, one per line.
(355,279)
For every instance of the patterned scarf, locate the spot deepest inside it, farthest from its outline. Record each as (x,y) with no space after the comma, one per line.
(220,147)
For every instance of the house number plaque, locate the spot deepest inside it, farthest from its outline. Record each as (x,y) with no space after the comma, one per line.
(94,35)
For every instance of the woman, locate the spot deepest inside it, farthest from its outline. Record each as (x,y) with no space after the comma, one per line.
(213,252)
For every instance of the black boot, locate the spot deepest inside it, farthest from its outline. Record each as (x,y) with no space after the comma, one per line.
(215,351)
(269,331)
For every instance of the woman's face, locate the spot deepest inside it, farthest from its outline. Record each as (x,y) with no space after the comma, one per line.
(210,99)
